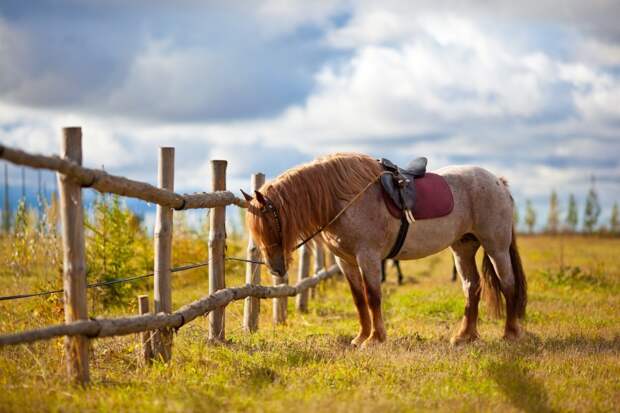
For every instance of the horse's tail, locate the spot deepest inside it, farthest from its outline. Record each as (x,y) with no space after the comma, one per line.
(491,285)
(520,291)
(491,288)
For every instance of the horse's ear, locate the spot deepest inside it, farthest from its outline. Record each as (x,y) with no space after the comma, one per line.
(260,198)
(247,196)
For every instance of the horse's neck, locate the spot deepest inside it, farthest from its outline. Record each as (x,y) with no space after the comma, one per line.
(308,211)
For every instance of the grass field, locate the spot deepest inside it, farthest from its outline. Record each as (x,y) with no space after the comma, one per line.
(568,361)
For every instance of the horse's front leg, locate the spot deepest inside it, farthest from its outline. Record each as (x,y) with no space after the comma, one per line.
(354,277)
(370,267)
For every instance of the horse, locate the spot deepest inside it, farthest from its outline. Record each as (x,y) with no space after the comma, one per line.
(339,196)
(399,272)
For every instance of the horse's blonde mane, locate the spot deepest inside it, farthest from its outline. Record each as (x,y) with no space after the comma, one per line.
(309,195)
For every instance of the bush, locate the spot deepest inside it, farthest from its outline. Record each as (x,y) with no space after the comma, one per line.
(115,247)
(571,276)
(23,241)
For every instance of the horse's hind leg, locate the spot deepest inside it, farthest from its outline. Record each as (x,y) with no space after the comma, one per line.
(464,252)
(354,277)
(399,271)
(503,268)
(383,276)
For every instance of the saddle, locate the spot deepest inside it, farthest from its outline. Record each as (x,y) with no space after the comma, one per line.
(412,193)
(398,185)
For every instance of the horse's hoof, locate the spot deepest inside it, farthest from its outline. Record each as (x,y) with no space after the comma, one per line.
(374,340)
(464,338)
(513,334)
(357,341)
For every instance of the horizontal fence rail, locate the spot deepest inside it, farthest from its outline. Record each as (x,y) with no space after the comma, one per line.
(127,325)
(106,183)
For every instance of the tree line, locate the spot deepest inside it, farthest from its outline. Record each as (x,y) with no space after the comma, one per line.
(571,221)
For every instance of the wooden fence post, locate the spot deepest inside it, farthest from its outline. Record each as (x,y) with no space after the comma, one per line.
(332,261)
(217,246)
(162,339)
(303,273)
(332,258)
(251,308)
(146,353)
(74,257)
(319,262)
(280,304)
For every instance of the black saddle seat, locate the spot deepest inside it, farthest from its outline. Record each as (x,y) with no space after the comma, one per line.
(417,167)
(398,183)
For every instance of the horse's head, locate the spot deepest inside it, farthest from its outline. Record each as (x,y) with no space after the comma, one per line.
(265,224)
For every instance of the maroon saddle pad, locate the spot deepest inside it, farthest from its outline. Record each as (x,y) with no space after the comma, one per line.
(433,198)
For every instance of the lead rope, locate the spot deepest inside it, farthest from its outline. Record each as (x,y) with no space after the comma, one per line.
(355,198)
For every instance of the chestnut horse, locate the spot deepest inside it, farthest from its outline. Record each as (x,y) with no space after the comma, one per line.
(303,199)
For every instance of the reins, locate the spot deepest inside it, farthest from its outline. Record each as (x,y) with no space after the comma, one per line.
(351,202)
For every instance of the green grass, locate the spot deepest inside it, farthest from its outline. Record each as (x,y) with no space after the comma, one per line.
(569,359)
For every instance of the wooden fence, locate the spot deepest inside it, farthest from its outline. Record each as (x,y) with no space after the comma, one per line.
(78,328)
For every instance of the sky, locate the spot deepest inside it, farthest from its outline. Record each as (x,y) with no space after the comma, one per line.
(528,89)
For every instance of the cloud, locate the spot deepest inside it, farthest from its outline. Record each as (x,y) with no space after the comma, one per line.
(282,16)
(159,63)
(527,89)
(596,18)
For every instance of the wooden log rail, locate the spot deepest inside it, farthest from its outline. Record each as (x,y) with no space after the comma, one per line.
(127,325)
(106,183)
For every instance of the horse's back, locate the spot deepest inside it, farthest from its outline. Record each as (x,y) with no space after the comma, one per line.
(475,179)
(466,172)
(483,193)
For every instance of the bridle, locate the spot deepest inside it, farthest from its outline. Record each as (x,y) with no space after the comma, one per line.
(270,207)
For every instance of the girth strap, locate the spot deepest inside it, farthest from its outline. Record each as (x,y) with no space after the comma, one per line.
(400,239)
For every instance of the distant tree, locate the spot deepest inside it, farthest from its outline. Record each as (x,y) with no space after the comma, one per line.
(530,216)
(572,216)
(614,221)
(553,220)
(592,210)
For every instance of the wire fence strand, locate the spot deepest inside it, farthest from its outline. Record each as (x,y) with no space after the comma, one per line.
(123,280)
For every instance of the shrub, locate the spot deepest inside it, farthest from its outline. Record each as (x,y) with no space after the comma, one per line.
(114,240)
(23,241)
(572,276)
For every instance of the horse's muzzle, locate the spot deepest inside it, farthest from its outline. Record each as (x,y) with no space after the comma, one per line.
(278,271)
